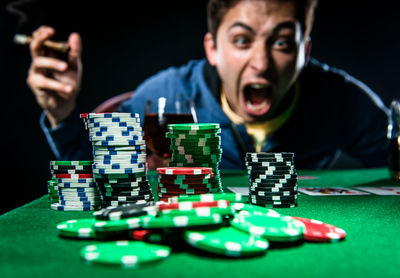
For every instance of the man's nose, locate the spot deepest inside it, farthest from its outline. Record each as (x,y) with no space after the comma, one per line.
(260,59)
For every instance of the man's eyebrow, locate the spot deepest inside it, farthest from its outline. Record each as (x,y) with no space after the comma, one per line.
(285,25)
(242,25)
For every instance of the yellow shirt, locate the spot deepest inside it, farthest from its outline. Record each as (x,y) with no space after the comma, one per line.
(260,131)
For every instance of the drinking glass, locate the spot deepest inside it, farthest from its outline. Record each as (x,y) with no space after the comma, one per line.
(161,112)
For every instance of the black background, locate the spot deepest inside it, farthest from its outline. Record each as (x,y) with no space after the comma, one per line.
(125,42)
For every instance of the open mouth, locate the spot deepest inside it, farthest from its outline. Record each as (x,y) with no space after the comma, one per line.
(257,98)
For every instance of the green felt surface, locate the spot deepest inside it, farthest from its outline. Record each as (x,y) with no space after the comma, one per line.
(30,246)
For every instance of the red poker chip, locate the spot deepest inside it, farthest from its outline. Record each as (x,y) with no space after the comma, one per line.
(184,170)
(141,234)
(73,176)
(192,205)
(84,115)
(316,230)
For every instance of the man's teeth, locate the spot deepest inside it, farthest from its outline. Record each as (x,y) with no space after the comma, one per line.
(258,86)
(256,106)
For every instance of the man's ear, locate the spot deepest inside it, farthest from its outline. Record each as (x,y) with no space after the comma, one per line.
(308,50)
(210,49)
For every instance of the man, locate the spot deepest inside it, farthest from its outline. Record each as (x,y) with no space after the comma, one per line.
(258,82)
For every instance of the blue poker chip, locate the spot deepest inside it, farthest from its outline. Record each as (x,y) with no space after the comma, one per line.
(60,207)
(120,142)
(114,119)
(127,162)
(80,199)
(76,185)
(77,194)
(81,203)
(129,137)
(120,124)
(112,115)
(119,171)
(113,129)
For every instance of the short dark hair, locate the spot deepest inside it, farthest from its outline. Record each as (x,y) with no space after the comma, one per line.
(217,9)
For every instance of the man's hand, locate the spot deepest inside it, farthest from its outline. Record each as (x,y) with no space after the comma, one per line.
(54,82)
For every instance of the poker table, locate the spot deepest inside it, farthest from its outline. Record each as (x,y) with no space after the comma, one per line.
(30,245)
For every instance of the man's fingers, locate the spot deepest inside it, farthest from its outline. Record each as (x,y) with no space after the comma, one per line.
(39,36)
(41,82)
(75,43)
(47,63)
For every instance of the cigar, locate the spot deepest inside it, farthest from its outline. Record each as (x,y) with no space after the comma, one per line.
(56,46)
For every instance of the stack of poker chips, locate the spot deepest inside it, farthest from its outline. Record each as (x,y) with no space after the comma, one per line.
(197,145)
(76,188)
(119,158)
(272,179)
(183,181)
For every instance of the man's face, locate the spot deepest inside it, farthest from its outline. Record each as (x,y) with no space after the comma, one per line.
(259,52)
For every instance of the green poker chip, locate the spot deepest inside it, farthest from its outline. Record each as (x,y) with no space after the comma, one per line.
(192,135)
(273,227)
(166,221)
(231,197)
(198,126)
(201,212)
(226,241)
(127,254)
(70,163)
(117,225)
(79,228)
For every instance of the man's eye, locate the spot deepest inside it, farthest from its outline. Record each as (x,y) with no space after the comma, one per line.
(282,44)
(241,41)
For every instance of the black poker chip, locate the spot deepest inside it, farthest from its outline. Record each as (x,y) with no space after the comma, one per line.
(275,198)
(271,155)
(269,202)
(268,164)
(125,211)
(271,174)
(260,192)
(270,168)
(127,193)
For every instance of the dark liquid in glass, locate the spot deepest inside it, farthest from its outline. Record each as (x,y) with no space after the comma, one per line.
(155,130)
(394,159)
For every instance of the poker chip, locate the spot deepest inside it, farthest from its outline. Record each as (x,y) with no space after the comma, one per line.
(127,254)
(197,126)
(77,228)
(71,163)
(272,179)
(200,211)
(270,226)
(127,211)
(231,197)
(226,241)
(184,170)
(315,230)
(181,221)
(60,207)
(188,205)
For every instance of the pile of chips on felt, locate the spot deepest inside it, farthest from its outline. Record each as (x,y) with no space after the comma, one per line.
(221,224)
(197,145)
(119,157)
(272,179)
(73,182)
